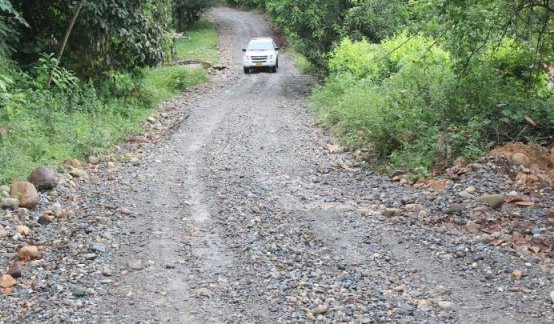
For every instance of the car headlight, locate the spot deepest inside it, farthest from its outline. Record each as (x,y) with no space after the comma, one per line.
(271,57)
(246,57)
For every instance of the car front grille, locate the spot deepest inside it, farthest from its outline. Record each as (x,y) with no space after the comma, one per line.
(259,58)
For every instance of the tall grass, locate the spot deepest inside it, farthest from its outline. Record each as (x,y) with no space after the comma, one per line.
(47,126)
(199,43)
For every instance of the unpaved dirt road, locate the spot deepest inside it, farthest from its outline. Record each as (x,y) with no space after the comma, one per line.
(242,216)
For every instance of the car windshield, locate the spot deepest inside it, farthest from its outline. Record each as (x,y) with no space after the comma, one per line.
(260,46)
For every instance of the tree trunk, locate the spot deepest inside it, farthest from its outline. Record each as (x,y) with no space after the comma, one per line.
(66,37)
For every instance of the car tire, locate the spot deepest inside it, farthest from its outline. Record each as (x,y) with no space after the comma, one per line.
(274,69)
(277,64)
(246,70)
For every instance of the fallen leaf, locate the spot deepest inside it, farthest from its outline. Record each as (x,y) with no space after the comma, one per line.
(497,242)
(525,203)
(439,185)
(519,239)
(491,228)
(520,201)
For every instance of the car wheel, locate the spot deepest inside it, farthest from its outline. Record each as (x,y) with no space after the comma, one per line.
(277,63)
(246,70)
(274,69)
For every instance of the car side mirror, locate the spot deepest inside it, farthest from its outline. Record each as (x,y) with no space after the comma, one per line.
(276,48)
(244,49)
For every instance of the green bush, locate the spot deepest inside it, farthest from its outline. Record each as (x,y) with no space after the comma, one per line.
(393,97)
(408,100)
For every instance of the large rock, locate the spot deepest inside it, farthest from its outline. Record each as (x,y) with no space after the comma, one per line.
(26,193)
(43,178)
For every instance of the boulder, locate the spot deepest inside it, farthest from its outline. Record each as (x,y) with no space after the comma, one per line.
(26,193)
(43,178)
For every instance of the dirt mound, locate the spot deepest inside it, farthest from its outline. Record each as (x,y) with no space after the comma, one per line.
(538,161)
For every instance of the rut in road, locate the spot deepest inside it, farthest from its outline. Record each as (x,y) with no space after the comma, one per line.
(241,217)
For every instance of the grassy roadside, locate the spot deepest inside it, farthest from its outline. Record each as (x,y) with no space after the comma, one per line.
(202,44)
(45,127)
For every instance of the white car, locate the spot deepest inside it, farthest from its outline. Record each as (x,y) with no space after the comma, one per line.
(260,53)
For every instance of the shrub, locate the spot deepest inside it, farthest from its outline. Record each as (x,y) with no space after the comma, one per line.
(391,97)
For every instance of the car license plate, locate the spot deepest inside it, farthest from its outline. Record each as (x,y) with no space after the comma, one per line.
(258,64)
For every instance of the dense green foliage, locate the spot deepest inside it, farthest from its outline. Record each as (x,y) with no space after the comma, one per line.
(188,11)
(105,85)
(421,82)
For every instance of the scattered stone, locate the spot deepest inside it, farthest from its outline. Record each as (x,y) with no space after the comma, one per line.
(7,281)
(26,193)
(470,189)
(79,292)
(493,201)
(23,214)
(98,247)
(125,211)
(406,308)
(29,252)
(321,309)
(204,292)
(473,227)
(23,230)
(445,305)
(78,173)
(455,208)
(107,271)
(3,233)
(15,270)
(136,265)
(516,275)
(44,220)
(43,178)
(390,212)
(422,215)
(5,188)
(424,305)
(90,256)
(10,203)
(413,208)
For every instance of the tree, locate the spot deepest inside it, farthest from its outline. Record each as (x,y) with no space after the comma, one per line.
(186,12)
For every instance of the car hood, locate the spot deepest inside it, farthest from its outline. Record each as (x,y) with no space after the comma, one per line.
(260,53)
